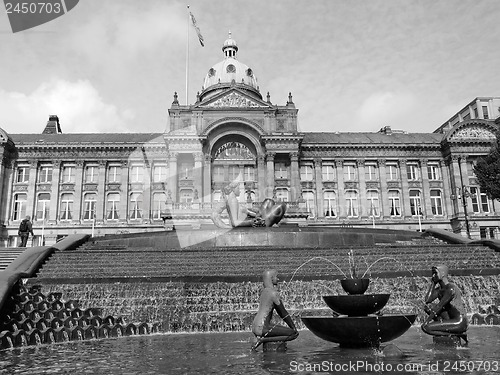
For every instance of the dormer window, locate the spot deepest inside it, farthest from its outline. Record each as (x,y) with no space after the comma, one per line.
(211,72)
(231,68)
(249,72)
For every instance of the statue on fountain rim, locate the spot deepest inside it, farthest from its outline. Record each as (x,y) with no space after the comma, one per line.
(447,317)
(268,214)
(269,302)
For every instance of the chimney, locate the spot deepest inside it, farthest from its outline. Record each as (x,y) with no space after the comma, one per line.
(52,126)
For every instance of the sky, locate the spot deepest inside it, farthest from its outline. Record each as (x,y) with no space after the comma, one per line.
(351,65)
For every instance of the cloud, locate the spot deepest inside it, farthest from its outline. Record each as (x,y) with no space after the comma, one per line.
(78,104)
(386,108)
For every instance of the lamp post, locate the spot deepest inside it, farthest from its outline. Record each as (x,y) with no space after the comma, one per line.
(465,194)
(419,212)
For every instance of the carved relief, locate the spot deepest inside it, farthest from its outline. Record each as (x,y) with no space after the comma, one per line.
(393,184)
(90,187)
(475,132)
(350,185)
(235,100)
(113,187)
(329,185)
(372,185)
(68,187)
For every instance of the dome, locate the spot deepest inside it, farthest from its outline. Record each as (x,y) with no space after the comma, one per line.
(229,71)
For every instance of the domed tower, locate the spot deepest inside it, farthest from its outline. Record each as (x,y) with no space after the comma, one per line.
(229,72)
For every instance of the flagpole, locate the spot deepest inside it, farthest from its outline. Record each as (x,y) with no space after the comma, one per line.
(187,56)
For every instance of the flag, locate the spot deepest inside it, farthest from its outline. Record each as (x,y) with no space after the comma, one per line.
(193,21)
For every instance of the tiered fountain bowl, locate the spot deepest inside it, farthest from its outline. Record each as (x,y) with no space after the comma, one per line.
(356,322)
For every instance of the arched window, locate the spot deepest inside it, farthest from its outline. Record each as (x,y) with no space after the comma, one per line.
(415,202)
(19,211)
(42,206)
(310,202)
(113,206)
(373,203)
(66,207)
(89,206)
(159,205)
(135,206)
(394,203)
(351,197)
(282,195)
(329,204)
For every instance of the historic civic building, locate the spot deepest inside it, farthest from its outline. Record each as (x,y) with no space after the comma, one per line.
(136,182)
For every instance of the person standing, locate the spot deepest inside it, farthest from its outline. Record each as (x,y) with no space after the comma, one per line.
(25,228)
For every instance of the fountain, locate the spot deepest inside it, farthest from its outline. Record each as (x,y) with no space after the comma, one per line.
(356,321)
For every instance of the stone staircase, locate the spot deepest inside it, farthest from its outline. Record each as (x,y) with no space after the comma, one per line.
(115,262)
(7,255)
(31,318)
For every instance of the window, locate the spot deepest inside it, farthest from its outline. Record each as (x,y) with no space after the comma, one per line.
(373,203)
(371,172)
(394,203)
(282,195)
(136,173)
(470,168)
(349,172)
(250,196)
(159,205)
(280,171)
(135,206)
(328,172)
(392,172)
(23,174)
(113,206)
(306,173)
(475,199)
(159,173)
(216,196)
(218,173)
(19,206)
(185,171)
(89,206)
(68,174)
(436,202)
(45,174)
(186,195)
(114,173)
(351,197)
(329,204)
(433,172)
(415,202)
(412,172)
(91,174)
(234,172)
(310,206)
(66,207)
(249,173)
(485,112)
(42,206)
(479,200)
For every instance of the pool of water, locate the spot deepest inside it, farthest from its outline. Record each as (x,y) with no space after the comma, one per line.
(229,353)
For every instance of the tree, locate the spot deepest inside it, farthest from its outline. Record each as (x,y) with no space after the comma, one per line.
(487,171)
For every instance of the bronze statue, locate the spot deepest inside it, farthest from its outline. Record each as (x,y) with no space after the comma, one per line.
(270,300)
(447,316)
(268,214)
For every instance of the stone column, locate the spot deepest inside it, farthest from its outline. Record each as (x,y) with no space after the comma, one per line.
(54,192)
(30,196)
(198,174)
(318,177)
(456,184)
(295,177)
(261,178)
(447,193)
(101,193)
(6,203)
(465,182)
(339,169)
(426,190)
(384,197)
(207,178)
(124,192)
(405,190)
(270,173)
(77,205)
(146,192)
(173,177)
(364,210)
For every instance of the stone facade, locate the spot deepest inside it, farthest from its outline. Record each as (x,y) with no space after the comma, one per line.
(112,183)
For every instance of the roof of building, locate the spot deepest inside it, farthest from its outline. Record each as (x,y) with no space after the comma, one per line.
(85,138)
(372,138)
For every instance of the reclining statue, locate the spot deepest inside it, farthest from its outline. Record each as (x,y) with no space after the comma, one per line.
(268,214)
(447,317)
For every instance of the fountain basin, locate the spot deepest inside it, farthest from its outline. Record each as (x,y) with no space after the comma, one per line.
(355,286)
(358,304)
(359,331)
